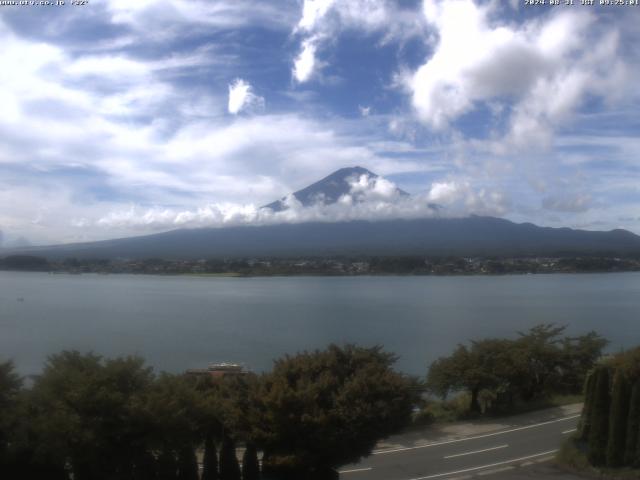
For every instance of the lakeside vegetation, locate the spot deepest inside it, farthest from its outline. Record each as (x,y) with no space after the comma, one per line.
(90,418)
(96,418)
(608,438)
(330,266)
(540,367)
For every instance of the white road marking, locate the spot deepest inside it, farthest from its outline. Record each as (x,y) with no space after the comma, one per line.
(569,431)
(476,451)
(485,466)
(496,470)
(355,470)
(446,442)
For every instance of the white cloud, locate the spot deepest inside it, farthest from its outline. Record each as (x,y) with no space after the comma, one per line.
(213,14)
(364,111)
(369,198)
(321,21)
(313,11)
(242,98)
(544,68)
(305,62)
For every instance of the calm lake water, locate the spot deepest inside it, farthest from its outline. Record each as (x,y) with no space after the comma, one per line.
(183,322)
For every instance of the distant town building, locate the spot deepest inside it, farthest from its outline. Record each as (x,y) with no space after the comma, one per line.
(219,370)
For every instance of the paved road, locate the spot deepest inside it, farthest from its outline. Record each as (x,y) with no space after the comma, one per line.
(483,454)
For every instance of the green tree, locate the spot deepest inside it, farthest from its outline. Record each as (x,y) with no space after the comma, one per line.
(85,414)
(210,460)
(579,355)
(145,467)
(167,465)
(487,365)
(10,384)
(540,359)
(599,430)
(618,417)
(187,464)
(633,427)
(180,411)
(327,408)
(250,465)
(229,467)
(587,409)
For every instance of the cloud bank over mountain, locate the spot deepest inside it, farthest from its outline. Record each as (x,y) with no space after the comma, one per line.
(368,198)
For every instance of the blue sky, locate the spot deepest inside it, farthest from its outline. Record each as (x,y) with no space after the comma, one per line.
(120,118)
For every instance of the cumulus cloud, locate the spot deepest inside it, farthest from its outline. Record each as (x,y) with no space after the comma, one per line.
(369,198)
(321,21)
(305,62)
(462,197)
(312,12)
(242,98)
(542,69)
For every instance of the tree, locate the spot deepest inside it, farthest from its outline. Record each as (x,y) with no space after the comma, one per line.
(145,467)
(489,364)
(599,430)
(250,465)
(327,408)
(579,355)
(540,358)
(167,465)
(537,363)
(179,410)
(85,413)
(210,461)
(618,417)
(587,409)
(229,467)
(187,464)
(633,427)
(10,384)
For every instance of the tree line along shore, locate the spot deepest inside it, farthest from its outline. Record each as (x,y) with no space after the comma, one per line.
(87,417)
(380,265)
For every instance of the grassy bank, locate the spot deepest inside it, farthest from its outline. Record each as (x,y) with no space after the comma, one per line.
(457,409)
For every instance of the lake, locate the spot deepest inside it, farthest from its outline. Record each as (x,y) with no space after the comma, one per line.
(183,322)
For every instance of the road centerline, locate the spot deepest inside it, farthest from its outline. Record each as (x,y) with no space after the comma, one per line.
(472,469)
(476,451)
(355,470)
(492,434)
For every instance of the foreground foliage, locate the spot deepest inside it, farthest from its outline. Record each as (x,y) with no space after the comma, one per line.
(610,424)
(91,418)
(497,373)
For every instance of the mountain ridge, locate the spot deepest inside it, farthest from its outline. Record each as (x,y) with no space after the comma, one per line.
(462,236)
(430,236)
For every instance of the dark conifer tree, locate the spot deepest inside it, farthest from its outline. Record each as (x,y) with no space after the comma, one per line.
(167,465)
(210,461)
(187,464)
(599,429)
(229,467)
(618,416)
(587,410)
(633,426)
(250,465)
(145,467)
